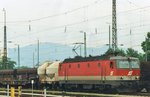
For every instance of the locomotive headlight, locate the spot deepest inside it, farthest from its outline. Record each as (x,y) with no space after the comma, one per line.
(136,77)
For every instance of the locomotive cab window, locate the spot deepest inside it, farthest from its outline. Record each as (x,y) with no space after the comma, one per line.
(123,64)
(111,65)
(134,64)
(126,64)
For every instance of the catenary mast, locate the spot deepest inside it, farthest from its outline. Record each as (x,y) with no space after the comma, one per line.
(5,43)
(114,26)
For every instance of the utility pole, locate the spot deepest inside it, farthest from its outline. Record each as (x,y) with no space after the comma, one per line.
(85,44)
(5,42)
(18,56)
(114,26)
(130,38)
(33,59)
(109,37)
(85,52)
(38,52)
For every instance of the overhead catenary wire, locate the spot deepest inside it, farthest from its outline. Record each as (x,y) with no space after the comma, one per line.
(24,35)
(97,18)
(48,29)
(73,10)
(130,2)
(59,14)
(106,33)
(89,20)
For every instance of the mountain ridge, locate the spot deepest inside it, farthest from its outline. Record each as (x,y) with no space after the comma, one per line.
(49,51)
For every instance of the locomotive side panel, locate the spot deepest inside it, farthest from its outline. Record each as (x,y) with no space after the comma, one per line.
(87,71)
(98,74)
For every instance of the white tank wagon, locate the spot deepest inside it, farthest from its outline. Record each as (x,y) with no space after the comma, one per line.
(42,71)
(52,72)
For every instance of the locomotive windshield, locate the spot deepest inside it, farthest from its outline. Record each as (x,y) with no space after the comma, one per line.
(127,64)
(135,64)
(122,64)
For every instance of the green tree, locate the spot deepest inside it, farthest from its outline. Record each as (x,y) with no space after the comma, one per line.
(146,46)
(129,53)
(10,64)
(132,53)
(119,52)
(109,52)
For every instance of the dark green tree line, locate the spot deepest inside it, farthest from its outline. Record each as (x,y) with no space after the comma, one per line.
(9,64)
(129,52)
(146,47)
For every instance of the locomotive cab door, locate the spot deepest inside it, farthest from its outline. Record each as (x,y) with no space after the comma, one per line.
(130,72)
(107,71)
(112,69)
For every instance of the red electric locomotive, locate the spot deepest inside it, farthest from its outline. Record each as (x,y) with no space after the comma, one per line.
(94,73)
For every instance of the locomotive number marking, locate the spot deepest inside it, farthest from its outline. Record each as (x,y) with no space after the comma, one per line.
(130,73)
(111,73)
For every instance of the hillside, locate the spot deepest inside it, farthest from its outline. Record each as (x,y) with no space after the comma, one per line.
(48,51)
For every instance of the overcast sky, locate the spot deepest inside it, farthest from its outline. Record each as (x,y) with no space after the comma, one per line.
(60,21)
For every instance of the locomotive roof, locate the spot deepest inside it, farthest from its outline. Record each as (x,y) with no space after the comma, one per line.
(84,59)
(121,57)
(94,58)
